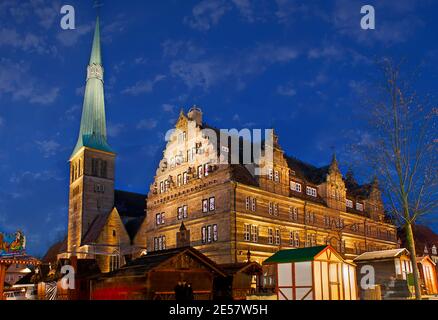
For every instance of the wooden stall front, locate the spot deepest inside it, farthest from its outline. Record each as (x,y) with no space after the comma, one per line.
(428,275)
(155,276)
(391,270)
(314,273)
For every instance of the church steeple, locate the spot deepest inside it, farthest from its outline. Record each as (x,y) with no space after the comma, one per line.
(92,133)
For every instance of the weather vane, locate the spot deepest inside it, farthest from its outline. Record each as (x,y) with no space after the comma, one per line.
(97,5)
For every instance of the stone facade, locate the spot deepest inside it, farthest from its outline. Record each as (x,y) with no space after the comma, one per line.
(263,213)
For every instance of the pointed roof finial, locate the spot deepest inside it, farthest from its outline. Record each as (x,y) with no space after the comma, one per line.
(95,57)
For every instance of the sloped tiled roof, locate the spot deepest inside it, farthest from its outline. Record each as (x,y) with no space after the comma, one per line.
(95,229)
(382,254)
(130,204)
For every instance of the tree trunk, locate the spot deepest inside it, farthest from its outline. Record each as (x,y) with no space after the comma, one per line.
(411,247)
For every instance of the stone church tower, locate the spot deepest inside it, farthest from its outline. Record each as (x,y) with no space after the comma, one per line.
(92,162)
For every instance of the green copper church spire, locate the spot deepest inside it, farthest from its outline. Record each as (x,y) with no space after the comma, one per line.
(92,133)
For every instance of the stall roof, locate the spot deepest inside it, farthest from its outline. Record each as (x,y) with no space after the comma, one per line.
(382,254)
(295,255)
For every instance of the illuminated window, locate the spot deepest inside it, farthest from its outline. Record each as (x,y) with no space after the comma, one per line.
(349,203)
(179,180)
(270,207)
(293,213)
(253,204)
(295,186)
(254,233)
(275,209)
(270,236)
(206,170)
(185,211)
(310,191)
(185,178)
(212,204)
(247,203)
(199,171)
(277,237)
(270,174)
(205,205)
(246,232)
(359,206)
(276,176)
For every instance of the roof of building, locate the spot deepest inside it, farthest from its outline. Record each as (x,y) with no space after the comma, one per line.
(95,228)
(382,254)
(295,255)
(52,253)
(425,238)
(130,204)
(148,262)
(248,267)
(92,133)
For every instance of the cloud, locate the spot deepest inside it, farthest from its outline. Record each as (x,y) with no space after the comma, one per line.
(207,71)
(45,98)
(286,90)
(114,129)
(329,51)
(245,8)
(26,176)
(144,86)
(72,112)
(173,48)
(29,42)
(69,38)
(16,80)
(147,124)
(168,108)
(48,147)
(207,14)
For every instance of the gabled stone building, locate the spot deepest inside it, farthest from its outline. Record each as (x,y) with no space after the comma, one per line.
(229,210)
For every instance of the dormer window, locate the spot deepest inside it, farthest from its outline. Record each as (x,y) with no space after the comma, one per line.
(295,186)
(434,250)
(359,206)
(310,191)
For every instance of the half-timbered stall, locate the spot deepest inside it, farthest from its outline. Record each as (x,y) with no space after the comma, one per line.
(156,275)
(313,273)
(428,275)
(391,270)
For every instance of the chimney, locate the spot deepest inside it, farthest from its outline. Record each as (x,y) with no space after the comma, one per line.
(195,114)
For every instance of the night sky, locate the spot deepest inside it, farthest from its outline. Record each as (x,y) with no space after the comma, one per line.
(300,66)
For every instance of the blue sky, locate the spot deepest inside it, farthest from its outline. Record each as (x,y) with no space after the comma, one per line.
(300,66)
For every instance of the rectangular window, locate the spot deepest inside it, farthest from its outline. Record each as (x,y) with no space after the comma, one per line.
(199,171)
(253,204)
(359,206)
(277,237)
(94,167)
(295,186)
(212,204)
(276,176)
(270,208)
(270,236)
(206,170)
(311,191)
(179,180)
(158,219)
(161,187)
(327,221)
(162,218)
(246,232)
(293,213)
(254,233)
(247,202)
(185,212)
(310,218)
(275,209)
(205,205)
(270,174)
(103,169)
(349,203)
(215,232)
(297,239)
(209,233)
(204,234)
(180,213)
(185,178)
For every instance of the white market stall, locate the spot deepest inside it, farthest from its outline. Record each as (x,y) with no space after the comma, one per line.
(313,273)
